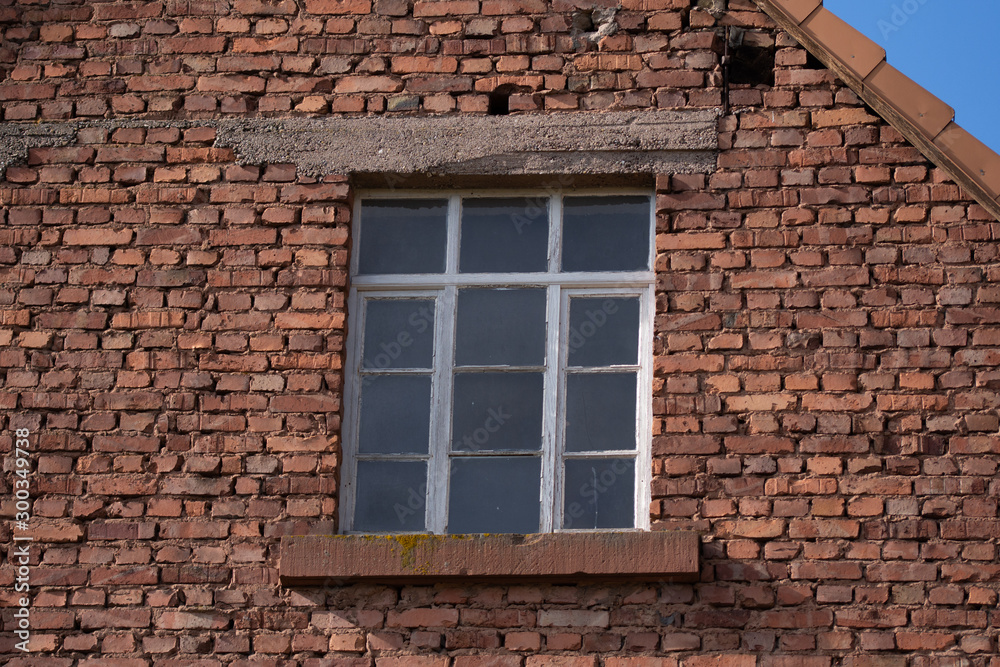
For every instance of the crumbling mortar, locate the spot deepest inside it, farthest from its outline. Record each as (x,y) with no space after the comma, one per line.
(603,24)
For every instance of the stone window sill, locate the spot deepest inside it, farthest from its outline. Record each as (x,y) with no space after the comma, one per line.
(556,557)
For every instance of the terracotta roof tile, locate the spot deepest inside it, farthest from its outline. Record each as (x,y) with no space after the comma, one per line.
(799,10)
(921,108)
(977,159)
(860,54)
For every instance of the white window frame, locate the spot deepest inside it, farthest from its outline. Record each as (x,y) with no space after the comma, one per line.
(444,289)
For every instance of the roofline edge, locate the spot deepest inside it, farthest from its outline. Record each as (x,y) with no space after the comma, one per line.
(885,107)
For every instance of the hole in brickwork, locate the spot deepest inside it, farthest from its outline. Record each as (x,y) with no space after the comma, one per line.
(752,66)
(590,26)
(812,62)
(583,21)
(499,101)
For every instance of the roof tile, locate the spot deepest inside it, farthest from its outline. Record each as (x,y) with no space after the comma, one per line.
(858,53)
(797,10)
(916,104)
(974,157)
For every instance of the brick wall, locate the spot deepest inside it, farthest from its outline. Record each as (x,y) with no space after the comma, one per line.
(172,324)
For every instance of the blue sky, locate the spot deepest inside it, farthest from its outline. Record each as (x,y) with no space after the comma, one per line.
(948,47)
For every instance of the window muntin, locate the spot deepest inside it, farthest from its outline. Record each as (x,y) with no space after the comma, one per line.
(521,353)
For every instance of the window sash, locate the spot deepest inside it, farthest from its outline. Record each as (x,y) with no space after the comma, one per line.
(443,288)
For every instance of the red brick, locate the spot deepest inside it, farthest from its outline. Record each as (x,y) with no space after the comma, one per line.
(77,320)
(338,6)
(720,661)
(560,661)
(835,117)
(424,8)
(842,528)
(607,61)
(192,620)
(902,572)
(97,237)
(752,529)
(352,642)
(115,618)
(130,154)
(820,618)
(487,661)
(325,321)
(522,641)
(413,660)
(368,84)
(297,194)
(243,237)
(120,531)
(573,618)
(423,618)
(304,403)
(410,64)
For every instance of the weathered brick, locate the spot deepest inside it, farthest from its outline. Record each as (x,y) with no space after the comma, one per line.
(97,237)
(573,618)
(192,620)
(423,618)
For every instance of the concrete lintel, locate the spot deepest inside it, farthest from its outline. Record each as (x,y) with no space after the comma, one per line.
(658,142)
(569,557)
(622,142)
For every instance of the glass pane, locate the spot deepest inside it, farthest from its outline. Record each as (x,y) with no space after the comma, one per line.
(600,411)
(395,414)
(605,233)
(399,333)
(494,494)
(603,331)
(391,496)
(504,235)
(500,327)
(403,236)
(495,411)
(599,493)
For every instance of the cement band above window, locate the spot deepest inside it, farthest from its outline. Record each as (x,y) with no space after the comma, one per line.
(553,557)
(633,142)
(650,142)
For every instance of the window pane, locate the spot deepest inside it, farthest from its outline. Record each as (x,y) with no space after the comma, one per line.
(500,327)
(496,411)
(399,333)
(600,411)
(403,236)
(391,496)
(495,494)
(504,235)
(395,414)
(603,331)
(599,493)
(605,234)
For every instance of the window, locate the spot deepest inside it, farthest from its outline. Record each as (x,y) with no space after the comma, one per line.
(499,363)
